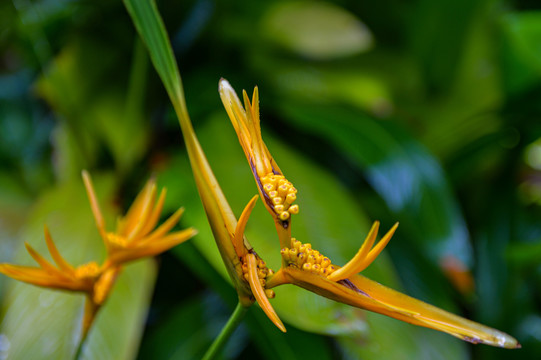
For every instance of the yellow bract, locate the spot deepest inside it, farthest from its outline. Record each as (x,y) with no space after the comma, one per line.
(277,192)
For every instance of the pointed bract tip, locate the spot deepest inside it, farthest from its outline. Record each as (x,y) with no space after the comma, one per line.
(259,293)
(223,84)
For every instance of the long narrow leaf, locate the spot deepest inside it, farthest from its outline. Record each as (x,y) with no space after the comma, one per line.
(223,223)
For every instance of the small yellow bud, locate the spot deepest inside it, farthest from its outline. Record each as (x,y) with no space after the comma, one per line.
(293,209)
(325,262)
(283,189)
(293,254)
(290,198)
(285,254)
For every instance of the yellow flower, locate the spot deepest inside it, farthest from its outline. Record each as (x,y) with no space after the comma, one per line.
(277,193)
(135,236)
(308,268)
(133,240)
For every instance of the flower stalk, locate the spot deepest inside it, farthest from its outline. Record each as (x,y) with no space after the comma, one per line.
(220,341)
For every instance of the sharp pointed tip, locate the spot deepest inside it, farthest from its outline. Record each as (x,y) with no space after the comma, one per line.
(223,84)
(375,227)
(276,321)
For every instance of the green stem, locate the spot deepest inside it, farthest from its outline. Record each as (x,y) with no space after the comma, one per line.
(226,332)
(79,352)
(91,309)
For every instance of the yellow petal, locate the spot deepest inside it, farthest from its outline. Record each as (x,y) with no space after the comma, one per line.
(354,266)
(165,227)
(39,277)
(55,254)
(139,212)
(364,293)
(251,120)
(45,265)
(94,205)
(259,292)
(152,248)
(373,254)
(155,215)
(238,239)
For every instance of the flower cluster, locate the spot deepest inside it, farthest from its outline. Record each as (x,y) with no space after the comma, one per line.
(308,268)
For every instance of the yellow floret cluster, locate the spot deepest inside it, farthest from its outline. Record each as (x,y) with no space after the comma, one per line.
(282,195)
(262,273)
(308,259)
(88,270)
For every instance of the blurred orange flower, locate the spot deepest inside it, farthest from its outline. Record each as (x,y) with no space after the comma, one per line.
(133,239)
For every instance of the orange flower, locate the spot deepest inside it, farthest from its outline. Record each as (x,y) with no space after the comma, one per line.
(135,236)
(308,268)
(277,193)
(133,240)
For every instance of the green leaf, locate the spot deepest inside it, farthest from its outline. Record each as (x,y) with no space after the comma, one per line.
(317,30)
(149,25)
(93,113)
(521,50)
(436,39)
(41,323)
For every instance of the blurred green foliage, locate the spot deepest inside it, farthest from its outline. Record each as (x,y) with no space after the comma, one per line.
(423,112)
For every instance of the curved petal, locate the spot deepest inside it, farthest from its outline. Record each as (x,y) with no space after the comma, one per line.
(259,292)
(55,254)
(364,293)
(355,265)
(238,239)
